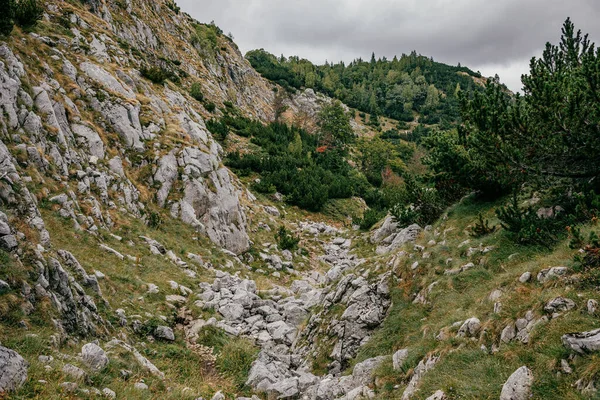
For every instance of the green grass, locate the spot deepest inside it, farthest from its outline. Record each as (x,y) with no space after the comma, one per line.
(464,370)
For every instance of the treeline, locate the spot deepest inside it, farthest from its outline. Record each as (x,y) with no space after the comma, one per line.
(400,88)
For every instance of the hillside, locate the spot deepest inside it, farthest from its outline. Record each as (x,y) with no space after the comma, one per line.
(174,225)
(411,87)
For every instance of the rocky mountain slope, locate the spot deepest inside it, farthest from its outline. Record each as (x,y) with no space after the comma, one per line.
(134,264)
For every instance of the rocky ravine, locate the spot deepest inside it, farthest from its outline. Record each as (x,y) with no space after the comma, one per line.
(82,132)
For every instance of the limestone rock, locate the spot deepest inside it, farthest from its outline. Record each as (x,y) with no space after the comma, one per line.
(584,342)
(94,357)
(13,370)
(164,332)
(469,328)
(438,395)
(559,304)
(399,358)
(518,385)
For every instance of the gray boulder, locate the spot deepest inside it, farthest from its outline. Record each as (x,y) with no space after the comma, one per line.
(518,385)
(165,333)
(470,328)
(399,358)
(559,304)
(13,370)
(438,395)
(94,357)
(74,372)
(583,342)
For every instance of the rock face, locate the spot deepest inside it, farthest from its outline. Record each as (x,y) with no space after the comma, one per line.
(13,370)
(518,385)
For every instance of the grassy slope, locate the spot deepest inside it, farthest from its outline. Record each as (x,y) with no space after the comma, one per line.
(465,371)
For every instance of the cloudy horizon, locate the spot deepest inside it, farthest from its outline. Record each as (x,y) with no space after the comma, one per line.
(493,38)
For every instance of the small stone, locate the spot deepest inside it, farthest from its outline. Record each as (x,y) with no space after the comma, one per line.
(525,277)
(68,387)
(592,306)
(566,368)
(140,386)
(164,332)
(74,372)
(109,393)
(218,396)
(399,358)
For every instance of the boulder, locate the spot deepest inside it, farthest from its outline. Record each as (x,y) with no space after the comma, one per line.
(469,328)
(13,370)
(583,342)
(399,358)
(518,385)
(165,333)
(559,304)
(74,372)
(94,357)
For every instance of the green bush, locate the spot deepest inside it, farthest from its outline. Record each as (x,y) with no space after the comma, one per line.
(285,240)
(210,107)
(527,227)
(173,6)
(370,218)
(219,129)
(6,17)
(28,12)
(158,74)
(154,220)
(481,228)
(196,91)
(417,204)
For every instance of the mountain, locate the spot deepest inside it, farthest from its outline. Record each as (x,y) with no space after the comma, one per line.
(174,224)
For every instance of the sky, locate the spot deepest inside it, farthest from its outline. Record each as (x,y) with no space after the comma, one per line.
(493,37)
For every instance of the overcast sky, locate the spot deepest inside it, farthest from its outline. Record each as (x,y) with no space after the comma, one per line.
(494,37)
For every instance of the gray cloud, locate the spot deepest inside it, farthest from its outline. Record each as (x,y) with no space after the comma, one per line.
(491,36)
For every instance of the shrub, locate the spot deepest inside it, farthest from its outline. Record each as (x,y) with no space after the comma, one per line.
(196,91)
(210,107)
(589,255)
(155,74)
(174,7)
(154,220)
(28,12)
(417,203)
(527,227)
(285,240)
(6,17)
(481,227)
(370,218)
(264,186)
(219,129)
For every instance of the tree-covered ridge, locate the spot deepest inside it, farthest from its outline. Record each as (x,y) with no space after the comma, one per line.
(397,88)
